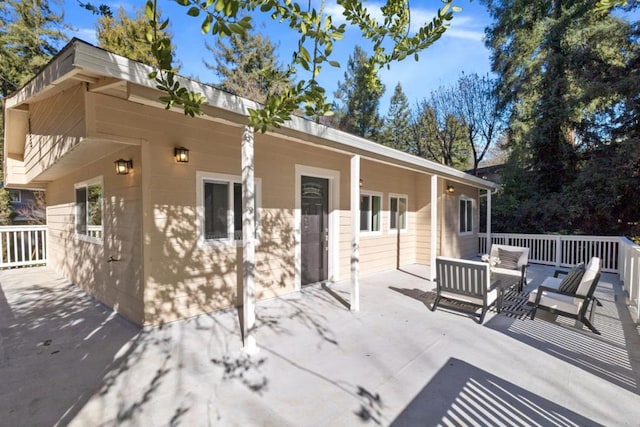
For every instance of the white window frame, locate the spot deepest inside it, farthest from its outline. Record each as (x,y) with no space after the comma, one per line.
(15,191)
(201,178)
(406,213)
(86,184)
(369,231)
(469,201)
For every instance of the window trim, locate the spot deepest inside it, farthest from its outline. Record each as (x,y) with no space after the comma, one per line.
(18,192)
(201,178)
(471,201)
(369,231)
(406,212)
(86,184)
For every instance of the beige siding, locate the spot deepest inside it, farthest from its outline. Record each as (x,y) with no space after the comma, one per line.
(455,244)
(57,124)
(177,277)
(117,284)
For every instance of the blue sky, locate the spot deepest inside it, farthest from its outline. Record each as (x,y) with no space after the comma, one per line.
(461,49)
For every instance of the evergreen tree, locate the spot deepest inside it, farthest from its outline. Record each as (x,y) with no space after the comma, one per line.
(357,112)
(126,35)
(551,57)
(30,34)
(247,66)
(396,132)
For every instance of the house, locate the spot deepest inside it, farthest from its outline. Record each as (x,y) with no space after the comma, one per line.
(159,238)
(28,206)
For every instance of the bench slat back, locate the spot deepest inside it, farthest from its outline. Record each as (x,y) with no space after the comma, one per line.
(462,277)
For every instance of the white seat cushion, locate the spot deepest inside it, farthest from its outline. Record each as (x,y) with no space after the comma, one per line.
(507,271)
(589,276)
(492,295)
(550,282)
(564,303)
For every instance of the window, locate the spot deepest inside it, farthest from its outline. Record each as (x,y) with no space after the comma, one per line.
(398,211)
(89,209)
(220,207)
(370,207)
(466,215)
(15,196)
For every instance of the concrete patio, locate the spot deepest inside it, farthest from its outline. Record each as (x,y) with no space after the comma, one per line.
(66,359)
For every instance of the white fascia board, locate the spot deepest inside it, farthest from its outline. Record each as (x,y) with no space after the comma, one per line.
(100,61)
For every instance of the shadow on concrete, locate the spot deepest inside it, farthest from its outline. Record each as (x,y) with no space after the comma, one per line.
(612,356)
(462,394)
(58,348)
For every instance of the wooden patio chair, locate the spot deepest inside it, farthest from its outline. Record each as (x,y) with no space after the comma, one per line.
(513,262)
(551,296)
(465,281)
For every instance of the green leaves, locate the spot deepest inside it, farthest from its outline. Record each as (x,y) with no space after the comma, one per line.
(391,41)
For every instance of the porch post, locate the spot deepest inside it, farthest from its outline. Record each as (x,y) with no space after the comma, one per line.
(355,232)
(248,241)
(488,245)
(434,226)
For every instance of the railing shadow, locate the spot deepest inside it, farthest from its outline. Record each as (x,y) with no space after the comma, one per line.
(613,356)
(462,394)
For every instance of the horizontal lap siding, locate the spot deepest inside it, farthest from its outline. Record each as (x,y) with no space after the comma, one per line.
(57,124)
(184,279)
(453,244)
(117,284)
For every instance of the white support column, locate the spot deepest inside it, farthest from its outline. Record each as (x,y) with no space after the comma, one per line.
(488,248)
(355,232)
(434,226)
(248,240)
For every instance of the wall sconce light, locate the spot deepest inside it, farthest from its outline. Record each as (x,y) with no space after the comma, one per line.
(182,155)
(123,167)
(450,189)
(361,182)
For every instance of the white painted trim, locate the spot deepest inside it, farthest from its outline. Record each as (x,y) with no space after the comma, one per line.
(434,226)
(81,57)
(334,220)
(473,207)
(368,232)
(488,217)
(406,219)
(355,233)
(201,177)
(86,184)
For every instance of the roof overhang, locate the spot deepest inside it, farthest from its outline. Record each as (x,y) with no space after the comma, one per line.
(104,71)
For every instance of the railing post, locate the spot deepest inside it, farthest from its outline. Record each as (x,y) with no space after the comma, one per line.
(558,250)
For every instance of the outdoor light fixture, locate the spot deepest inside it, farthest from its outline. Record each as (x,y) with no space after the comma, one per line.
(123,167)
(361,182)
(182,155)
(450,189)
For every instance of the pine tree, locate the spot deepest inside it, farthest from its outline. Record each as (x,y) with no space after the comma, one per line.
(126,35)
(551,57)
(247,66)
(30,34)
(358,111)
(396,132)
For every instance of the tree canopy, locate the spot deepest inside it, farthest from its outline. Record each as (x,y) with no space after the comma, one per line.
(247,66)
(357,110)
(127,36)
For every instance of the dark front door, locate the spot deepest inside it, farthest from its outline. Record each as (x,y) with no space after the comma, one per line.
(315,229)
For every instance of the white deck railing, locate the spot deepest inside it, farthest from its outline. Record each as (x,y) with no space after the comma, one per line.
(629,272)
(561,251)
(22,246)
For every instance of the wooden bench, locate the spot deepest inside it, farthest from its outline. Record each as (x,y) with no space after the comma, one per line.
(465,281)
